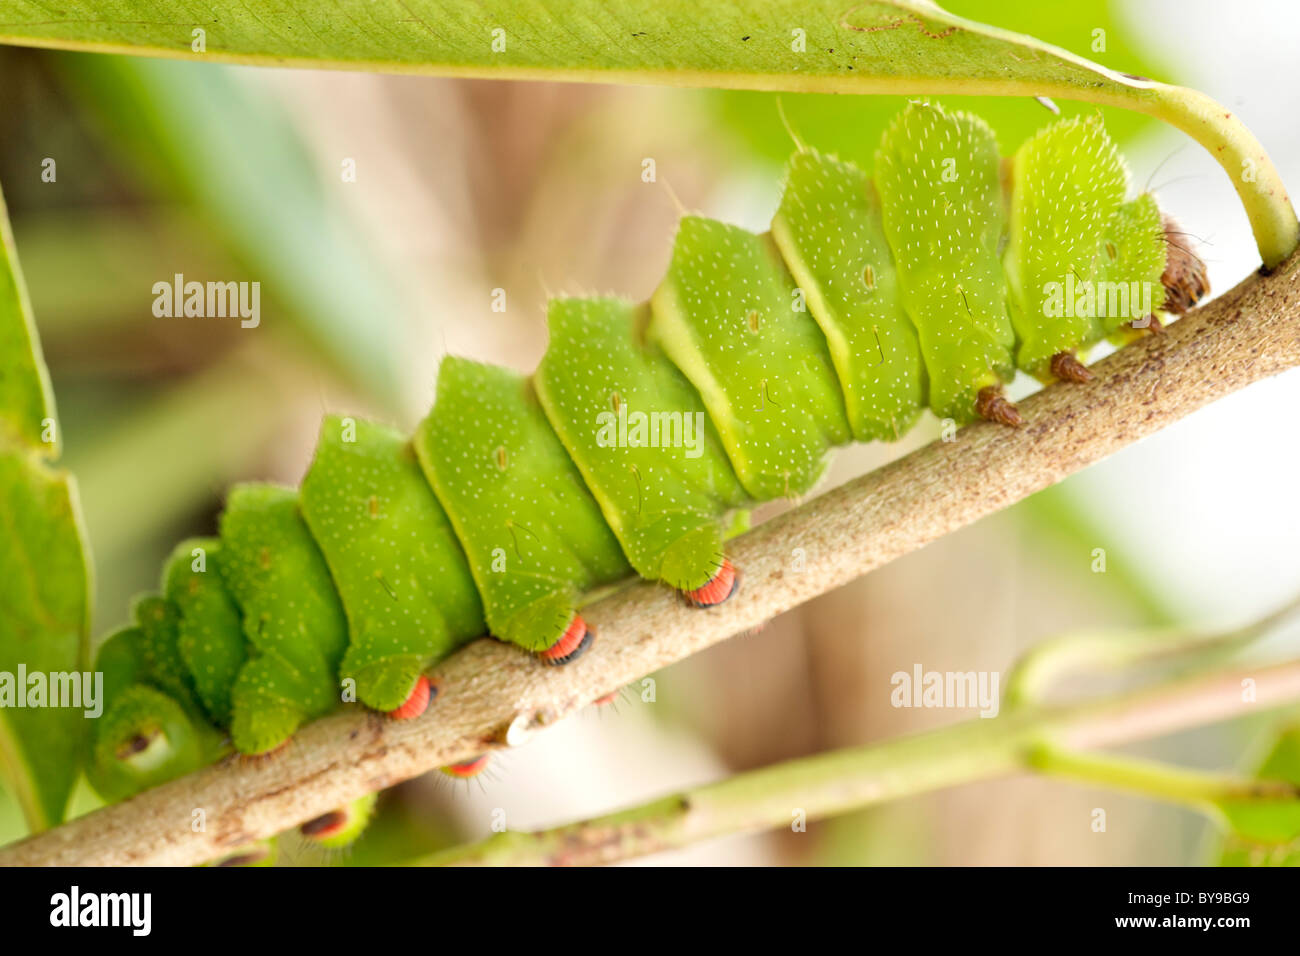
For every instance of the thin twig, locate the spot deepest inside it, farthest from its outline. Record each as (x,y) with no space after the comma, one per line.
(1111,649)
(493,695)
(978,749)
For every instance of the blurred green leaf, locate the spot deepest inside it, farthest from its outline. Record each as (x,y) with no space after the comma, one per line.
(233,408)
(43,628)
(196,130)
(1268,834)
(89,271)
(26,400)
(44,577)
(1061,519)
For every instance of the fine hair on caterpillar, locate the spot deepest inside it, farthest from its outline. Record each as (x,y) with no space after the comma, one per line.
(643,439)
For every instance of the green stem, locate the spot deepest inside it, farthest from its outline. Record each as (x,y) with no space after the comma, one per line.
(1198,789)
(827,784)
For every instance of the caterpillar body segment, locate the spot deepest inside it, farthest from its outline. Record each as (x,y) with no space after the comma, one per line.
(925,284)
(1068,184)
(209,630)
(938,174)
(725,315)
(1132,264)
(532,532)
(293,619)
(831,235)
(405,585)
(639,434)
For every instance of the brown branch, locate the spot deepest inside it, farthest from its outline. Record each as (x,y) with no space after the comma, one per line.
(493,695)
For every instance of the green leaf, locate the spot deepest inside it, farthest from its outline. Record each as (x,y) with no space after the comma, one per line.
(826,46)
(1267,834)
(26,401)
(850,126)
(43,629)
(44,607)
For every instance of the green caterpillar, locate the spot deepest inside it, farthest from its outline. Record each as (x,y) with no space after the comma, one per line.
(643,438)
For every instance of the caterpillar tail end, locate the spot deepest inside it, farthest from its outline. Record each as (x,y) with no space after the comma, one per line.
(717,589)
(422,695)
(1066,367)
(994,406)
(573,643)
(469,768)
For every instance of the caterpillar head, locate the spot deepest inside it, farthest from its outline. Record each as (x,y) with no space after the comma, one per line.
(143,740)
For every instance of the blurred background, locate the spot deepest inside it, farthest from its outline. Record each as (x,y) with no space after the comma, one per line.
(462,188)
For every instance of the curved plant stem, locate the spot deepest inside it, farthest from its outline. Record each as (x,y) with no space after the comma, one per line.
(493,696)
(1198,789)
(842,780)
(1113,649)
